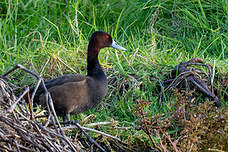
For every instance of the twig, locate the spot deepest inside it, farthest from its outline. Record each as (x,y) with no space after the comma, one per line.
(178,79)
(88,137)
(30,105)
(217,150)
(93,130)
(60,60)
(42,70)
(13,106)
(99,124)
(191,147)
(33,138)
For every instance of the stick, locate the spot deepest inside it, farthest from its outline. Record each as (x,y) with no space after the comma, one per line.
(88,137)
(93,130)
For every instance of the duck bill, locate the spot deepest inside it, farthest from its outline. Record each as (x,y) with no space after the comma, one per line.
(114,45)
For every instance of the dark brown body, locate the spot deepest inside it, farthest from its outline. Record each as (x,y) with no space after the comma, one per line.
(74,93)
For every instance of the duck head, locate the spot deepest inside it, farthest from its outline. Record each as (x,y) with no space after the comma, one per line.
(100,39)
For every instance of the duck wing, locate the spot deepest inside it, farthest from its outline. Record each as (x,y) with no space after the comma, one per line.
(68,97)
(56,82)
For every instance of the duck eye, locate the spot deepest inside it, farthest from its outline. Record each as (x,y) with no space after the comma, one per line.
(106,36)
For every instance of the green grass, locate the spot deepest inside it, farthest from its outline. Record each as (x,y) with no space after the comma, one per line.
(35,31)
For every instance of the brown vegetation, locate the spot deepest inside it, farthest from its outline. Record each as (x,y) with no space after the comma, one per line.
(202,127)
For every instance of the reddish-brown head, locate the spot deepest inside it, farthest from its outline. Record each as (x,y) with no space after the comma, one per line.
(100,39)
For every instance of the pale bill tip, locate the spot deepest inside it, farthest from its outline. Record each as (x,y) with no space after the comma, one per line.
(114,45)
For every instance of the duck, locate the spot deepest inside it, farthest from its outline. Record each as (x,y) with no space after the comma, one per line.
(76,93)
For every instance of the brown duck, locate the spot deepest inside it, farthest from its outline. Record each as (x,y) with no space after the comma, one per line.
(74,93)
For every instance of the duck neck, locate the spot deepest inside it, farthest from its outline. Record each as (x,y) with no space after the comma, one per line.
(94,68)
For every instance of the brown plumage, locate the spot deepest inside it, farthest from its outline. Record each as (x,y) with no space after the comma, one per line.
(74,93)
